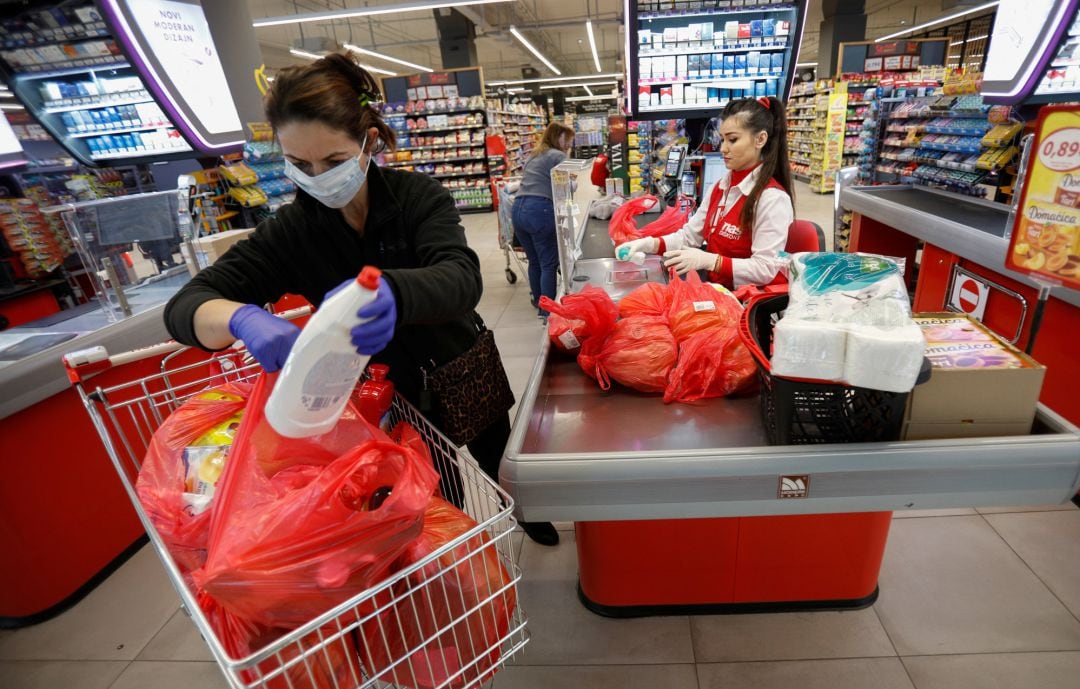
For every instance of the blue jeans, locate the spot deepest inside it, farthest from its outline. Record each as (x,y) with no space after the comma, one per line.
(534,226)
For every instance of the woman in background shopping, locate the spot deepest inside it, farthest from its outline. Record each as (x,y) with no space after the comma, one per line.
(534,213)
(349,214)
(743,220)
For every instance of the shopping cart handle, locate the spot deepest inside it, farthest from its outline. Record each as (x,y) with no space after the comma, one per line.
(85,357)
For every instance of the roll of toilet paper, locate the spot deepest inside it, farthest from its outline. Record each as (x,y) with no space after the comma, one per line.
(884,358)
(808,349)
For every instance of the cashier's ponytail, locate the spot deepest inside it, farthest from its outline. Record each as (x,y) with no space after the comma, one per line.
(765,114)
(334,91)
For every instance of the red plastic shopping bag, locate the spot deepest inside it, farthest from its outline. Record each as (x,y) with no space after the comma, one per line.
(446,619)
(696,306)
(622,227)
(200,430)
(650,299)
(638,353)
(591,314)
(328,524)
(712,363)
(671,220)
(565,333)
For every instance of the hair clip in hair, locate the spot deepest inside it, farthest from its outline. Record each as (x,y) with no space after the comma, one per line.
(366,99)
(764,101)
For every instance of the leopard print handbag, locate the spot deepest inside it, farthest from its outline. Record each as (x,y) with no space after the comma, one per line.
(471,391)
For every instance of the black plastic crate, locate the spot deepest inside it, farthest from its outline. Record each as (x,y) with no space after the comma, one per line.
(796,412)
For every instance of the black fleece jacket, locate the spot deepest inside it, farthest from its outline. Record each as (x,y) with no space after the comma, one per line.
(413,234)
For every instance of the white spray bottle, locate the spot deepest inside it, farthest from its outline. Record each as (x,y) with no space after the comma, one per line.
(314,385)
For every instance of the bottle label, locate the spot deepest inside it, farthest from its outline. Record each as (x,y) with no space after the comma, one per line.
(330,379)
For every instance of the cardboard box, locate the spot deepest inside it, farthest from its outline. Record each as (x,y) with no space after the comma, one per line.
(212,247)
(972,400)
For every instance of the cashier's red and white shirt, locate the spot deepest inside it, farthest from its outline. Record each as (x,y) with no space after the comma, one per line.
(750,258)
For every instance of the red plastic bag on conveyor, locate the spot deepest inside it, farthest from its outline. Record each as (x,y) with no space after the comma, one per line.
(204,421)
(639,353)
(651,299)
(430,622)
(672,219)
(696,306)
(340,509)
(622,227)
(712,363)
(588,313)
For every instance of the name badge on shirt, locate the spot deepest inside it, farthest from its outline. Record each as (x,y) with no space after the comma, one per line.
(729,231)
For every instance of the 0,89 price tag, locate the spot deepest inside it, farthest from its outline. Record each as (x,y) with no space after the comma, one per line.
(1060,151)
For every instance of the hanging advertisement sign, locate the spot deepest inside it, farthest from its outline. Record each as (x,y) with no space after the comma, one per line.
(834,135)
(1045,240)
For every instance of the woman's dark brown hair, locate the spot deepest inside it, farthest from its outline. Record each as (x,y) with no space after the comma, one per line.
(334,91)
(551,137)
(754,115)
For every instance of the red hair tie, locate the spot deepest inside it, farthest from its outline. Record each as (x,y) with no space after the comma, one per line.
(764,100)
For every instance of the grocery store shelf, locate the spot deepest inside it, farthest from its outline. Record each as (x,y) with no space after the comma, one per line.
(60,70)
(140,154)
(750,7)
(718,82)
(443,129)
(710,50)
(91,102)
(446,175)
(399,163)
(124,130)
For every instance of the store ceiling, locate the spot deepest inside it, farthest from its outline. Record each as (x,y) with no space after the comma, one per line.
(555,27)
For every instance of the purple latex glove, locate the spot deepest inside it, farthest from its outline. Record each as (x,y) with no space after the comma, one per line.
(371,337)
(267,337)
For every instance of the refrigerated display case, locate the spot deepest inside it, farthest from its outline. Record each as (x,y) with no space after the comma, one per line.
(689,62)
(123,80)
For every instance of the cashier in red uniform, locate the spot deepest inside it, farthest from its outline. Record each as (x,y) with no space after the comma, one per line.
(743,220)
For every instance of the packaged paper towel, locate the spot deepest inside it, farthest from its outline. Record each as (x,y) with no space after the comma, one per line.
(884,358)
(848,320)
(808,349)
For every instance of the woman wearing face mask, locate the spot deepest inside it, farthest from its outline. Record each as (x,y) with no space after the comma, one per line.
(348,214)
(743,220)
(533,214)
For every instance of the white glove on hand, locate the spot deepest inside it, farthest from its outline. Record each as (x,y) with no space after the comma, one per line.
(648,245)
(685,260)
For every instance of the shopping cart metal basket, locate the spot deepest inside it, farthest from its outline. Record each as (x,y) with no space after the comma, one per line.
(506,229)
(126,410)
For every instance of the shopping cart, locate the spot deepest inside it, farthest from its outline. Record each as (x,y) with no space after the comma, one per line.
(128,410)
(506,229)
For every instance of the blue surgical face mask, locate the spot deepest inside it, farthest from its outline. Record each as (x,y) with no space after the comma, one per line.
(335,187)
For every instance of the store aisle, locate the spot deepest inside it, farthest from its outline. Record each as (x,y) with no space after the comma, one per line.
(969,598)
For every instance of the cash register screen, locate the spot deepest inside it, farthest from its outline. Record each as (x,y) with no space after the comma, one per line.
(714,170)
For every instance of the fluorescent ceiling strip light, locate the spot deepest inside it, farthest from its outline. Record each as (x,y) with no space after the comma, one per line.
(592,44)
(12,107)
(609,96)
(580,77)
(365,12)
(586,85)
(534,51)
(973,38)
(372,53)
(806,64)
(315,56)
(588,90)
(942,20)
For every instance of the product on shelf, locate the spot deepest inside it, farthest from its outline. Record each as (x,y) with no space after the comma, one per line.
(31,236)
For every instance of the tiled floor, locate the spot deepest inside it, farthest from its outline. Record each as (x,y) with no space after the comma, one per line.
(969,599)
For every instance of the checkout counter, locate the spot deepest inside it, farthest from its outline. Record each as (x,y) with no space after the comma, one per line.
(683,508)
(66,519)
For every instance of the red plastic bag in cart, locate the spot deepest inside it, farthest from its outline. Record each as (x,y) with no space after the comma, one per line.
(198,428)
(322,659)
(590,313)
(622,227)
(448,617)
(639,353)
(696,306)
(651,299)
(283,550)
(712,363)
(671,220)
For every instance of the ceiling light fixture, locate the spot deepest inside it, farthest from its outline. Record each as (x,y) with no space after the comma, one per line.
(969,40)
(806,64)
(584,84)
(942,20)
(607,96)
(372,53)
(315,56)
(11,107)
(365,12)
(580,77)
(534,51)
(592,44)
(587,89)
